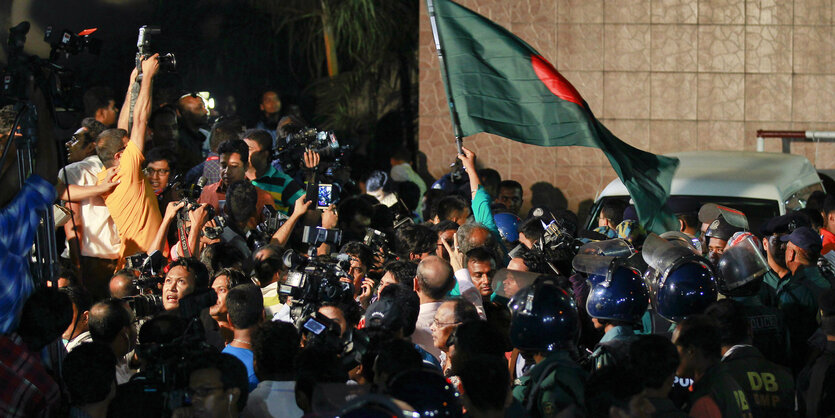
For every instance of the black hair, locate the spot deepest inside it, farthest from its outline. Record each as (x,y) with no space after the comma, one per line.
(351,310)
(491,179)
(409,193)
(262,137)
(350,207)
(532,228)
(409,303)
(235,146)
(360,251)
(69,274)
(445,225)
(690,220)
(79,296)
(430,202)
(241,200)
(234,277)
(815,200)
(107,319)
(734,327)
(402,153)
(415,239)
(475,337)
(701,332)
(485,379)
(613,210)
(108,144)
(266,268)
(225,130)
(96,98)
(403,271)
(89,373)
(45,316)
(162,153)
(313,366)
(656,357)
(196,268)
(246,306)
(274,345)
(233,373)
(397,356)
(511,184)
(611,386)
(289,125)
(160,111)
(94,128)
(482,254)
(464,310)
(222,255)
(828,204)
(450,205)
(814,216)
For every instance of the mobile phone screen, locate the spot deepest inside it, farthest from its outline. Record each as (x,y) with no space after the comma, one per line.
(325,197)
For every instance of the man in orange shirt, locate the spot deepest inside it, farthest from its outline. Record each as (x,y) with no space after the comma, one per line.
(828,230)
(132,204)
(234,161)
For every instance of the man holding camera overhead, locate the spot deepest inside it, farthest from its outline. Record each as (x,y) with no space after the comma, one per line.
(132,204)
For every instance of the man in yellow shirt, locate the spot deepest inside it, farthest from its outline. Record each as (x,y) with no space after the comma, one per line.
(132,204)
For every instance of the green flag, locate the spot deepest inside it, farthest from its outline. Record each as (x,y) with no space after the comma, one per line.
(501,85)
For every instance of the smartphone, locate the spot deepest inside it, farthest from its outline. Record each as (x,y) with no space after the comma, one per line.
(325,196)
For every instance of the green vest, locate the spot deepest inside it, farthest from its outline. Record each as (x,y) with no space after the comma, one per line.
(768,386)
(555,383)
(718,384)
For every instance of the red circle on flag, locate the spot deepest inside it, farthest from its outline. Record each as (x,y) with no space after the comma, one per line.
(555,82)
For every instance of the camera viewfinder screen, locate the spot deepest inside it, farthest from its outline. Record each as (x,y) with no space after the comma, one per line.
(325,197)
(314,326)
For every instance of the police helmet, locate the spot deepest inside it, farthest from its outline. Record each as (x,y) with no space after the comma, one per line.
(507,223)
(687,289)
(543,318)
(622,296)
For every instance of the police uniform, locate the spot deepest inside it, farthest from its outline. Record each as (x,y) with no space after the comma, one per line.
(613,348)
(719,386)
(552,385)
(797,298)
(768,386)
(768,324)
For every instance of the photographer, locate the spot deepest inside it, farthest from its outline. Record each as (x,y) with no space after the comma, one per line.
(283,188)
(234,161)
(132,203)
(197,219)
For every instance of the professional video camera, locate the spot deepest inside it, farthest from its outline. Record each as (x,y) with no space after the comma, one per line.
(312,281)
(379,243)
(263,232)
(321,331)
(51,75)
(150,268)
(291,152)
(557,247)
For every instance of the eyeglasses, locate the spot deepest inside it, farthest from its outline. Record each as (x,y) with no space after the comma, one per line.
(201,392)
(162,171)
(444,324)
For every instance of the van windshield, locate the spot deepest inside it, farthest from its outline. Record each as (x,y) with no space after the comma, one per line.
(758,211)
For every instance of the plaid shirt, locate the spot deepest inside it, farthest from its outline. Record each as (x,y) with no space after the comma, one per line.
(18,224)
(26,389)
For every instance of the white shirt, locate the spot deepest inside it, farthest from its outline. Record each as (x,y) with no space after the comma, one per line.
(100,238)
(422,335)
(272,399)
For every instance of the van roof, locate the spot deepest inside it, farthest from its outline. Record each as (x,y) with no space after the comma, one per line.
(756,175)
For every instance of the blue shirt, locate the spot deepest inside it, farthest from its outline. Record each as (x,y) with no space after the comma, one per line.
(18,223)
(246,357)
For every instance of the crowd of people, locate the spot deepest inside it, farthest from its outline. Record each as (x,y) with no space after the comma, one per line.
(204,276)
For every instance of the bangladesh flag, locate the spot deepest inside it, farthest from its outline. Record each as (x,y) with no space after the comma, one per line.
(501,85)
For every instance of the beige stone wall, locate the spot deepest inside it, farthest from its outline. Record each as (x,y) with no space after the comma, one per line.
(663,75)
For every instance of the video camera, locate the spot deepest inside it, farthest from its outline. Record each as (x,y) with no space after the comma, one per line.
(263,232)
(321,331)
(150,268)
(557,247)
(312,281)
(167,61)
(290,153)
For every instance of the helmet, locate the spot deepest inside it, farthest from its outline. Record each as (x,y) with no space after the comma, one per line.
(507,224)
(428,392)
(622,296)
(444,183)
(741,263)
(543,318)
(686,289)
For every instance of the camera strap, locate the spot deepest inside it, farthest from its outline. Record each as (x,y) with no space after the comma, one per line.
(183,238)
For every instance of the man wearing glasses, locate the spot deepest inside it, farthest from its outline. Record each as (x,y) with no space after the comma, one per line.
(92,238)
(132,204)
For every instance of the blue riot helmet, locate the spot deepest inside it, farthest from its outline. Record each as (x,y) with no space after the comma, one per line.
(741,267)
(507,223)
(688,289)
(686,282)
(543,318)
(621,296)
(428,392)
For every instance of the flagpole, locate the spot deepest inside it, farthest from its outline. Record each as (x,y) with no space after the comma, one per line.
(456,124)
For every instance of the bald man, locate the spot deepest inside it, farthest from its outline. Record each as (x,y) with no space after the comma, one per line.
(433,282)
(121,284)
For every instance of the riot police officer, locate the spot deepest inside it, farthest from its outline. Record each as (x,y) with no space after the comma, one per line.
(740,278)
(768,386)
(544,323)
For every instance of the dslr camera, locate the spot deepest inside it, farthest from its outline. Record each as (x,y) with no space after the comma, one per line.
(312,281)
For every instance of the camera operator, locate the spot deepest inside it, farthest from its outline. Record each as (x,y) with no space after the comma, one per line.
(222,282)
(132,203)
(283,188)
(184,277)
(111,323)
(197,219)
(362,260)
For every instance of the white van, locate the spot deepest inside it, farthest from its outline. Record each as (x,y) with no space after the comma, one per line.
(760,184)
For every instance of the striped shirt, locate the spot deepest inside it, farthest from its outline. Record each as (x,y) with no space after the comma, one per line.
(283,189)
